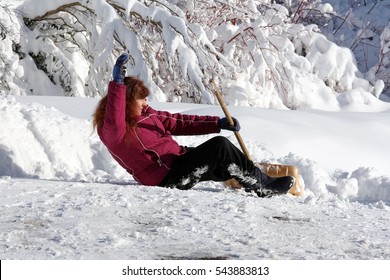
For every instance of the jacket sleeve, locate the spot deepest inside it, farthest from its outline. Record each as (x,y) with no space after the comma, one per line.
(114,124)
(181,124)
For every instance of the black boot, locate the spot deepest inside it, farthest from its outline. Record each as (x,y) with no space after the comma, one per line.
(266,186)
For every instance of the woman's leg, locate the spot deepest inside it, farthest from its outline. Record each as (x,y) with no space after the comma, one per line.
(219,160)
(216,159)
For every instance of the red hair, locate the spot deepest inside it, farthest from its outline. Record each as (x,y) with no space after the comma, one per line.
(135,89)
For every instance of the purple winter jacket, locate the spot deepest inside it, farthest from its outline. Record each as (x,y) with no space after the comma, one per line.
(148,150)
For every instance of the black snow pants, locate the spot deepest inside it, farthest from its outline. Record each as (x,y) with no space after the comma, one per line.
(216,159)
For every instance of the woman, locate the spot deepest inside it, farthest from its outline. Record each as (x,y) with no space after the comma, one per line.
(140,140)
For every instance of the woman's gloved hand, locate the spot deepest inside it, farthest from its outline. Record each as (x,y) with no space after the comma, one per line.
(119,71)
(223,123)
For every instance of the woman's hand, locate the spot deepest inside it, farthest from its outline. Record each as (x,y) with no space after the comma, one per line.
(224,124)
(119,71)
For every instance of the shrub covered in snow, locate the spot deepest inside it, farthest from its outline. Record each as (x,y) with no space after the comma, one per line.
(261,53)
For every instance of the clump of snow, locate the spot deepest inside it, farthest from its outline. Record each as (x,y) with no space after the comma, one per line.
(371,186)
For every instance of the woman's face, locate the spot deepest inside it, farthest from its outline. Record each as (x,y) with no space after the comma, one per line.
(139,105)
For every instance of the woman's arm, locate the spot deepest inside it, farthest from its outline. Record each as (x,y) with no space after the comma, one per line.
(114,124)
(181,124)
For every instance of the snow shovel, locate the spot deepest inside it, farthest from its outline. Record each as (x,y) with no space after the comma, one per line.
(271,169)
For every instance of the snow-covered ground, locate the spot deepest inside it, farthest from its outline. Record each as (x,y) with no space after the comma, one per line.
(63,197)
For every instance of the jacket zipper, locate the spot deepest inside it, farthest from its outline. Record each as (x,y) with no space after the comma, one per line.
(159,161)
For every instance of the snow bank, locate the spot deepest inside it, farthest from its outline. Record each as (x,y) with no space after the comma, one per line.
(41,142)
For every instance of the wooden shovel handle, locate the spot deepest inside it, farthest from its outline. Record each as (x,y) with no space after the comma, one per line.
(229,118)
